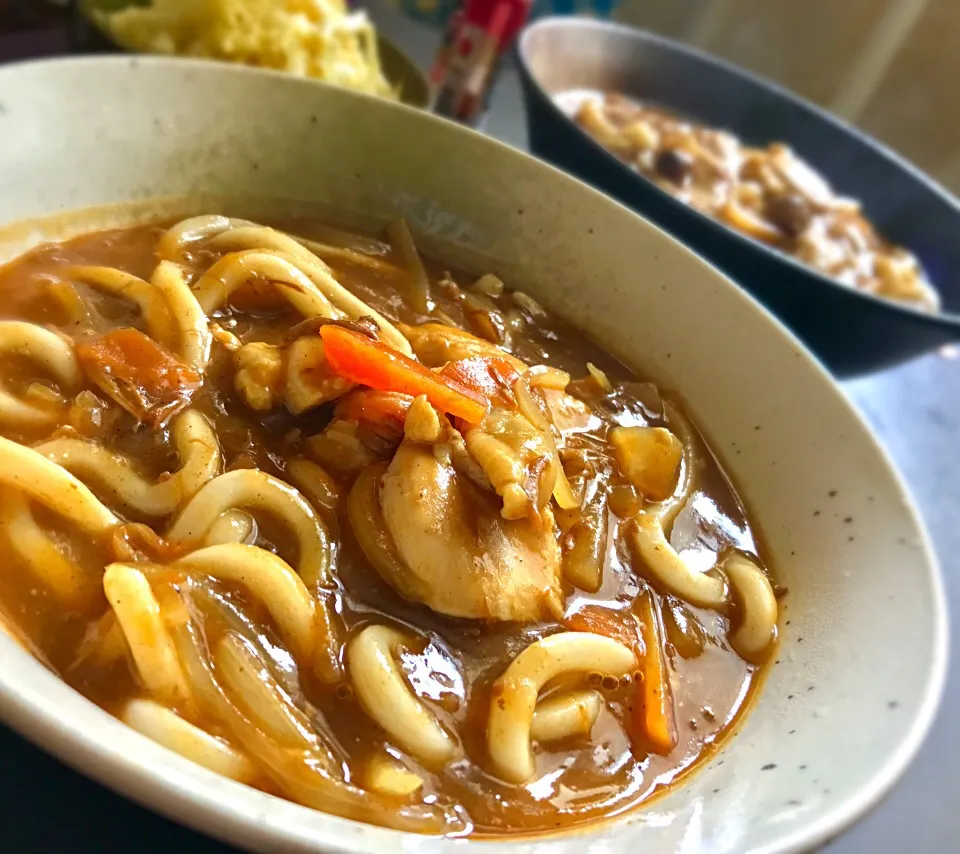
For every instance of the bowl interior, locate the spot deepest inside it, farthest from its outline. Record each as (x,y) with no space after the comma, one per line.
(863,630)
(906,206)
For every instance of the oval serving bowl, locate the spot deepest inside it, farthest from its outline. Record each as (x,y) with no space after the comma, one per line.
(851,331)
(863,629)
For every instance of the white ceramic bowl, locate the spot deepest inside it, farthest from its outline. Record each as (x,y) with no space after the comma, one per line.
(864,631)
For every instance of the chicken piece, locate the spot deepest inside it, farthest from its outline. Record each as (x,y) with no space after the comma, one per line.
(649,457)
(139,375)
(259,377)
(225,338)
(296,375)
(461,557)
(368,425)
(435,344)
(309,380)
(453,451)
(422,423)
(517,461)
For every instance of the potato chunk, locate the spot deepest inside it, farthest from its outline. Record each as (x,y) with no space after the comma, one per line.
(649,457)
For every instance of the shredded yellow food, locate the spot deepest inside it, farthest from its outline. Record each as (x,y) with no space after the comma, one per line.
(310,38)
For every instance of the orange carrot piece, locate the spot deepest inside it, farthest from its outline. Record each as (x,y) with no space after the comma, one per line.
(653,712)
(653,721)
(139,374)
(489,377)
(620,626)
(366,362)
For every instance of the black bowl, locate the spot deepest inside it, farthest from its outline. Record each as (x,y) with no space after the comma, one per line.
(852,332)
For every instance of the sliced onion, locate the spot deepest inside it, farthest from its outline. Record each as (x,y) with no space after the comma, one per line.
(544,377)
(366,519)
(600,378)
(402,241)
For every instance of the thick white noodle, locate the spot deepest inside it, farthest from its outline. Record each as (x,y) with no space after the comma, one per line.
(670,570)
(51,485)
(758,615)
(214,288)
(231,234)
(250,490)
(178,238)
(513,700)
(354,307)
(269,579)
(53,355)
(116,476)
(234,526)
(160,322)
(243,237)
(167,728)
(151,647)
(572,713)
(387,697)
(36,548)
(253,490)
(263,237)
(170,310)
(231,704)
(239,236)
(309,777)
(195,335)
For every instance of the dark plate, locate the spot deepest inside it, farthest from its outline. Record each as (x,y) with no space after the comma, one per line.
(852,332)
(403,74)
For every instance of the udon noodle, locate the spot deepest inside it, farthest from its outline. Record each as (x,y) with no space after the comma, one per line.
(330,521)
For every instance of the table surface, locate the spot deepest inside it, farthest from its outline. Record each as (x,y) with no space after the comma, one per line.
(916,411)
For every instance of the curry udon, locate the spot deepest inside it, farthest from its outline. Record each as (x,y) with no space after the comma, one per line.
(769,194)
(387,541)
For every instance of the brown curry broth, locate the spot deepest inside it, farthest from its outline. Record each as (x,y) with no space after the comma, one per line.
(602,777)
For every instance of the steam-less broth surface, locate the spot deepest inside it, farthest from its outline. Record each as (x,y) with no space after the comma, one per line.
(349,635)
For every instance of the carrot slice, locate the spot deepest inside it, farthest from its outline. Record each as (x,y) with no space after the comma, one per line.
(620,626)
(139,374)
(366,362)
(653,723)
(489,377)
(654,713)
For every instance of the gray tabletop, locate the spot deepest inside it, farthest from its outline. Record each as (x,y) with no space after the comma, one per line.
(916,411)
